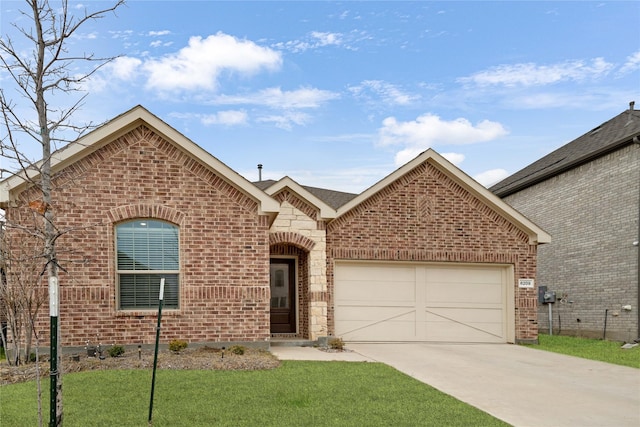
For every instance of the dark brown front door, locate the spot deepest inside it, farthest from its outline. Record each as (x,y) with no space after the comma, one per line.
(283,296)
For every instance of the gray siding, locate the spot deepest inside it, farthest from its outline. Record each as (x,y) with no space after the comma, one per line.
(591,213)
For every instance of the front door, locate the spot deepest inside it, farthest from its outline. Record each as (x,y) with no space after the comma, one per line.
(283,296)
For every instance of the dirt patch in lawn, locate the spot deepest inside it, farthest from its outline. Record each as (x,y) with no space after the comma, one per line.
(203,358)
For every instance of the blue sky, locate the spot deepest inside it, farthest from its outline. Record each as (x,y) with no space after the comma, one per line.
(340,94)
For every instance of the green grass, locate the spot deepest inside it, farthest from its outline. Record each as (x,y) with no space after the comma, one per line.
(295,394)
(604,351)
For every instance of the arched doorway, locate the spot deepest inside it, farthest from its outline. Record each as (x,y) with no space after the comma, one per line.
(289,284)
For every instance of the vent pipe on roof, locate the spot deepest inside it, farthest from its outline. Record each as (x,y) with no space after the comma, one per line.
(631,104)
(260,172)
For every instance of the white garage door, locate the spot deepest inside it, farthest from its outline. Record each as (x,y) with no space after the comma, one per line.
(423,302)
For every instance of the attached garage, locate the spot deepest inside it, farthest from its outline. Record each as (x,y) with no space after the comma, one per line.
(430,302)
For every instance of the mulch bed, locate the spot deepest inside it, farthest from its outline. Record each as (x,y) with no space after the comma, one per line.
(202,358)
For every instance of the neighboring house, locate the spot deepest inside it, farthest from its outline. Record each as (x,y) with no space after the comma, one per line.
(426,254)
(586,195)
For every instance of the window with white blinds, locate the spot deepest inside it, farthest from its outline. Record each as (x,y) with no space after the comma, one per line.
(147,250)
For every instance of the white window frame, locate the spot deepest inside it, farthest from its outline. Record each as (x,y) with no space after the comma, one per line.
(149,275)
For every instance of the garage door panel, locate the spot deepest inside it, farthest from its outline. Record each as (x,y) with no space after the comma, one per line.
(464,275)
(372,325)
(375,314)
(465,315)
(377,290)
(463,292)
(389,273)
(421,302)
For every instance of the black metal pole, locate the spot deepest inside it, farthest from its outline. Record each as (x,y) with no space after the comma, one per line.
(53,372)
(155,356)
(54,312)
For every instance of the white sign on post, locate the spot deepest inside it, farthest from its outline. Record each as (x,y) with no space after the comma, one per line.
(54,297)
(526,283)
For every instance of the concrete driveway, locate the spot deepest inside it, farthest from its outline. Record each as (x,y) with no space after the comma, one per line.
(520,385)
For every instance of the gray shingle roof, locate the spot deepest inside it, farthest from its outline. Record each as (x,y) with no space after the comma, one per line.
(609,136)
(333,198)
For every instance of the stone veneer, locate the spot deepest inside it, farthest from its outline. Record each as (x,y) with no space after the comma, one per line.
(292,224)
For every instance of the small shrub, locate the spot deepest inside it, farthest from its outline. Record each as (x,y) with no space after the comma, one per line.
(237,349)
(116,350)
(336,344)
(177,345)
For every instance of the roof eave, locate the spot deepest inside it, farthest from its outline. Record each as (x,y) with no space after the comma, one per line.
(326,211)
(125,123)
(509,190)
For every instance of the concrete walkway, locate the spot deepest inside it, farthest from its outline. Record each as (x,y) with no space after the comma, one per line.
(519,385)
(311,353)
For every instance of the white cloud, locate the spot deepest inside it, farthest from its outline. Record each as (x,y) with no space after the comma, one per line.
(198,65)
(327,39)
(159,43)
(490,177)
(405,156)
(408,154)
(631,64)
(125,34)
(315,40)
(286,120)
(279,99)
(429,130)
(159,33)
(389,93)
(530,74)
(455,158)
(124,67)
(227,118)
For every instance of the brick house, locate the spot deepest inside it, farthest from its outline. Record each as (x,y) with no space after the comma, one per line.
(587,195)
(426,254)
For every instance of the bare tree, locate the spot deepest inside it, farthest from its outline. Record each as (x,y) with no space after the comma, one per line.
(41,74)
(21,291)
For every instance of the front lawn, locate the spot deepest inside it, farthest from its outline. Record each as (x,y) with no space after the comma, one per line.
(295,394)
(604,351)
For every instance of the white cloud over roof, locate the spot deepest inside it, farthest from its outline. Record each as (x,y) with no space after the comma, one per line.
(531,74)
(429,130)
(198,65)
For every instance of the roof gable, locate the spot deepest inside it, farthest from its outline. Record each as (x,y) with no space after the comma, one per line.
(326,211)
(123,124)
(609,136)
(535,233)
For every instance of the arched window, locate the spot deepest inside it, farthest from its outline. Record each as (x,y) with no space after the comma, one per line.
(147,250)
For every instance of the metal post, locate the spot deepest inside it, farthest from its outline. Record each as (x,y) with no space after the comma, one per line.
(155,356)
(54,311)
(550,319)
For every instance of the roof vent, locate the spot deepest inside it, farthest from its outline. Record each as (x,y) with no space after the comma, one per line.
(260,172)
(630,119)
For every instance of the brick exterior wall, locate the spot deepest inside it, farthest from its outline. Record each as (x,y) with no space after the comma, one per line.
(224,246)
(591,213)
(425,216)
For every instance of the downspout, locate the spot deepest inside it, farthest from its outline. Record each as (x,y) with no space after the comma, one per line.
(637,242)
